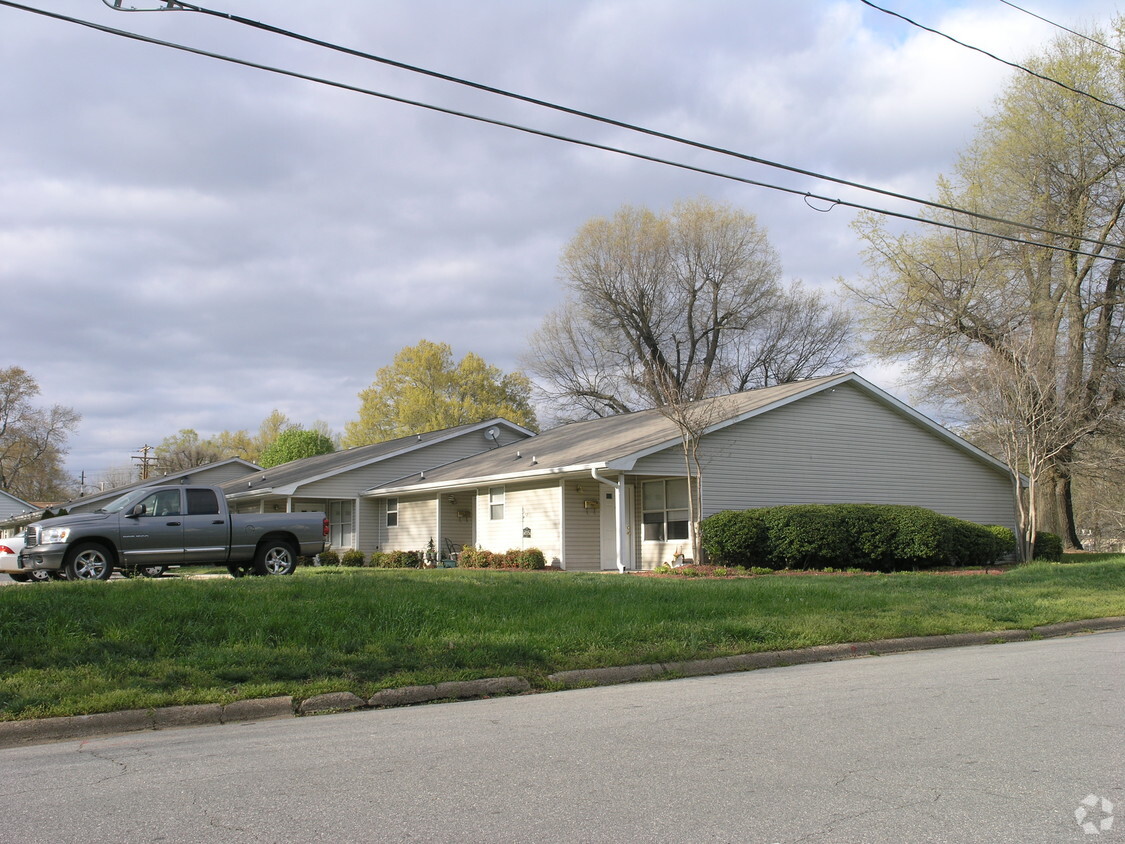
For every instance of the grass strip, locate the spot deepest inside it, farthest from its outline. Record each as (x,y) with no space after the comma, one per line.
(81,648)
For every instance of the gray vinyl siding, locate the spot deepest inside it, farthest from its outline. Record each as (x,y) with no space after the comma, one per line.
(217,475)
(582,543)
(842,446)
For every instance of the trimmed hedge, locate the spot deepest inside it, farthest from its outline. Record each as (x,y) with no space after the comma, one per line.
(477,558)
(397,559)
(871,537)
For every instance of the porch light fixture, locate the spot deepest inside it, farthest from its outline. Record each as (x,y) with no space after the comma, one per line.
(452,499)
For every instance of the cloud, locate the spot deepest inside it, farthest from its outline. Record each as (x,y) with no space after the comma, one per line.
(189,244)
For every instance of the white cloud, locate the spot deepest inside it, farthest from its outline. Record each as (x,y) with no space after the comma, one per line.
(190,244)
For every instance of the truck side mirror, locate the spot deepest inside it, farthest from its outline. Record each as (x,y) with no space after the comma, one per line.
(139,510)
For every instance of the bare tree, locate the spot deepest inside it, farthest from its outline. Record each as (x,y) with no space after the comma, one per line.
(685,304)
(951,302)
(1017,406)
(32,439)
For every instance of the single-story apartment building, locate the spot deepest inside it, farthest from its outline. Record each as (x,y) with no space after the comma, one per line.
(611,493)
(333,483)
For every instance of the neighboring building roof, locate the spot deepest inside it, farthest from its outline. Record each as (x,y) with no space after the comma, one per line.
(12,507)
(172,477)
(288,477)
(616,443)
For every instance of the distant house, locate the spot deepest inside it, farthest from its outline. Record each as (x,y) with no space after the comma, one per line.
(333,483)
(611,493)
(209,473)
(10,508)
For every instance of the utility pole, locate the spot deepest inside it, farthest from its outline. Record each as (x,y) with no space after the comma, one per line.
(146,460)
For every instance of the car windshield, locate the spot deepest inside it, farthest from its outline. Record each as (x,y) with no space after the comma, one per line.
(124,502)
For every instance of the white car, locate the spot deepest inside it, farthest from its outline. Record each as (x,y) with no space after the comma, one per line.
(10,547)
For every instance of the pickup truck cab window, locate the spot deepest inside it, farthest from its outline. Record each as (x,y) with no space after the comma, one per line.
(202,502)
(165,502)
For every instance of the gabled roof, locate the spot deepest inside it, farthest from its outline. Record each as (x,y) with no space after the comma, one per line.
(287,478)
(9,501)
(616,443)
(171,477)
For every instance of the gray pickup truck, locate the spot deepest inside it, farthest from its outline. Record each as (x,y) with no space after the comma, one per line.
(148,529)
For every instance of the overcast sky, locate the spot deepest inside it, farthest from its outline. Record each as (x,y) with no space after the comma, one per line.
(186,243)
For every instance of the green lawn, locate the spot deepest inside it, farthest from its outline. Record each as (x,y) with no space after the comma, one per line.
(76,648)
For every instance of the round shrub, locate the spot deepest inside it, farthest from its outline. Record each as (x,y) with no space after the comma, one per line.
(474,558)
(328,558)
(531,558)
(1048,546)
(353,558)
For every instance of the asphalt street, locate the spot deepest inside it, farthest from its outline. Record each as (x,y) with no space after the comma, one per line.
(1020,742)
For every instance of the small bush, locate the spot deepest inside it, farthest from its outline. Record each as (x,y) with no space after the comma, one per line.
(516,558)
(532,559)
(397,559)
(328,558)
(1048,546)
(353,558)
(474,558)
(1006,537)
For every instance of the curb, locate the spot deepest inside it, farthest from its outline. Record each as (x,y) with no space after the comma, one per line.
(45,730)
(821,653)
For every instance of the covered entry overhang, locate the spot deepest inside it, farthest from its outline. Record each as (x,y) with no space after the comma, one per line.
(582,517)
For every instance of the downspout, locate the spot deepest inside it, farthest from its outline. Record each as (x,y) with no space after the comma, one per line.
(619,508)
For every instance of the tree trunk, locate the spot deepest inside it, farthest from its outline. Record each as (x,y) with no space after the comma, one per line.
(1064,507)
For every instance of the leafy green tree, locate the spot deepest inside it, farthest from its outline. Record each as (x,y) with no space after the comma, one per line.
(293,444)
(1030,333)
(32,439)
(425,390)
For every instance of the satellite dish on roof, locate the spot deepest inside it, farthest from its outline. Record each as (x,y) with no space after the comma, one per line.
(492,434)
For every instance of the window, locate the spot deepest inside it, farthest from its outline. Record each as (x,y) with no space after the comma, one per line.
(496,503)
(202,502)
(163,503)
(340,520)
(664,510)
(392,512)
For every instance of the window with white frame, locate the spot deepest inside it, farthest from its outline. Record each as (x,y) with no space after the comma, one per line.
(341,524)
(496,503)
(664,509)
(392,512)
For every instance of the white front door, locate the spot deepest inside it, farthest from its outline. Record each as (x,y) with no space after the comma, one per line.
(608,507)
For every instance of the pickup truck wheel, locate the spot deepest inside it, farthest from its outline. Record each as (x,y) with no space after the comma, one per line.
(41,575)
(88,561)
(275,557)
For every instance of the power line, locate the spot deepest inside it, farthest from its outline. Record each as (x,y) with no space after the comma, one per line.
(1063,28)
(806,195)
(993,56)
(174,5)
